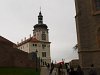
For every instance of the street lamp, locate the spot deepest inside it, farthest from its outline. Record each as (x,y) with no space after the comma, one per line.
(36,60)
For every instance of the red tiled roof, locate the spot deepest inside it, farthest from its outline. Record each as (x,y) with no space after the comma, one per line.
(34,40)
(28,40)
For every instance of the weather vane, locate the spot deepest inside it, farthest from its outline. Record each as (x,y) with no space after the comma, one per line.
(40,8)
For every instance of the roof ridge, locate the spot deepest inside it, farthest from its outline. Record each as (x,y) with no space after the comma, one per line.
(4,39)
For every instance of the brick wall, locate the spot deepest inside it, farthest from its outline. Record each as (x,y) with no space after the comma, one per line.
(12,57)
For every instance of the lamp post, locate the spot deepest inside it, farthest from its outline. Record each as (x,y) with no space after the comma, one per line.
(36,60)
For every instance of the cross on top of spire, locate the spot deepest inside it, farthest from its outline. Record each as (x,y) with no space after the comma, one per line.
(40,14)
(40,8)
(40,17)
(40,21)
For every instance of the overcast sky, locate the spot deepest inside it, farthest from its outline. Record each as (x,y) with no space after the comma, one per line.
(17,18)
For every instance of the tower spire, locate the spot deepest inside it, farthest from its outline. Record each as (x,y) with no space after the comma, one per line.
(40,8)
(40,17)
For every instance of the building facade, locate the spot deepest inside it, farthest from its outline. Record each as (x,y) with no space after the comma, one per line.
(88,32)
(39,42)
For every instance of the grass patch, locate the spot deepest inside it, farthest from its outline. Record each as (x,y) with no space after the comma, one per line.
(18,71)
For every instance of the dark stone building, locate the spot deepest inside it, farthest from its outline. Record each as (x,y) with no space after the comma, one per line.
(88,32)
(10,56)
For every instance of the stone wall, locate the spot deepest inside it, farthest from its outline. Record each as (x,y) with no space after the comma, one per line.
(12,57)
(86,71)
(87,25)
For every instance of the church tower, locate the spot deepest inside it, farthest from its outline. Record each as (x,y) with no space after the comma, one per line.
(40,31)
(39,42)
(88,32)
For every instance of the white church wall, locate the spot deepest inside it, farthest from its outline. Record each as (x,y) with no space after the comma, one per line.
(24,47)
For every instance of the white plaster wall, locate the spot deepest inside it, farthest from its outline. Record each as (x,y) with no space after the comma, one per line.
(28,47)
(38,33)
(24,47)
(40,50)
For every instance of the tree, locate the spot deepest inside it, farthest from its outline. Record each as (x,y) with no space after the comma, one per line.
(75,47)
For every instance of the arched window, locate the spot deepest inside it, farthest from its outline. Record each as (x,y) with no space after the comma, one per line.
(98,37)
(43,36)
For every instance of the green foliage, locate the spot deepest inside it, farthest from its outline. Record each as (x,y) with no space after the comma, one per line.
(18,71)
(75,47)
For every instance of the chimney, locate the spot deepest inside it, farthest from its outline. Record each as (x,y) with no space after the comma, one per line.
(25,38)
(17,43)
(21,40)
(30,35)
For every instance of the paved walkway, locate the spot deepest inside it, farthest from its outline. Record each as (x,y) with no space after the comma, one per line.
(45,71)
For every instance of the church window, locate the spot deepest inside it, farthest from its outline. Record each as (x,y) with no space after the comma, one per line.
(27,45)
(43,36)
(35,45)
(40,18)
(48,45)
(43,46)
(43,32)
(45,63)
(43,54)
